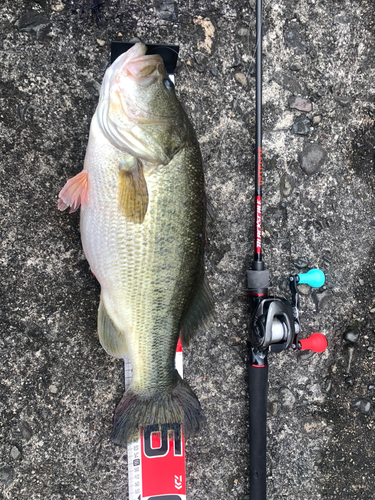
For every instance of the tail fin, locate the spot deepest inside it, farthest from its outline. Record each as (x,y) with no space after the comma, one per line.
(174,405)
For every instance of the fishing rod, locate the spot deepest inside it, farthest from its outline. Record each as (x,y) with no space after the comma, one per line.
(275,324)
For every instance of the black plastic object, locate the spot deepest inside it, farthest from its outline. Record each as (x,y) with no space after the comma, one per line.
(264,333)
(169,53)
(258,279)
(258,381)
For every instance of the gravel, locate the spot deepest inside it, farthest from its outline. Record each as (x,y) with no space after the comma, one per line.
(58,387)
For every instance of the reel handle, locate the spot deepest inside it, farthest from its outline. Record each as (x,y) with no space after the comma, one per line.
(315,278)
(316,342)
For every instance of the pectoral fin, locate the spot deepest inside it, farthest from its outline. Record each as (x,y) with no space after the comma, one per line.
(133,194)
(74,193)
(112,340)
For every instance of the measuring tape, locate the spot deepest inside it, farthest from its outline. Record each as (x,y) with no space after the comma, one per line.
(156,460)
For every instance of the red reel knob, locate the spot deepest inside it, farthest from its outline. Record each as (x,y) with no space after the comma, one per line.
(316,342)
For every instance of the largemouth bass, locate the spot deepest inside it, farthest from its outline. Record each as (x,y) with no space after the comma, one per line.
(143,213)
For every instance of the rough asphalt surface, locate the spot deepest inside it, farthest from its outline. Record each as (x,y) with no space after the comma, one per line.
(58,387)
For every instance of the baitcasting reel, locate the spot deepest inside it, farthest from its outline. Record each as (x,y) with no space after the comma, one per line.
(275,321)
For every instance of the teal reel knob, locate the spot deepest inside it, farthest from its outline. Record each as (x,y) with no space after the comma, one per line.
(315,278)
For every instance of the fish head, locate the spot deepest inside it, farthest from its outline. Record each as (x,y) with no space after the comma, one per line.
(138,109)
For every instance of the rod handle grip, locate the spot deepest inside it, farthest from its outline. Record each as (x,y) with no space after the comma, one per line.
(258,384)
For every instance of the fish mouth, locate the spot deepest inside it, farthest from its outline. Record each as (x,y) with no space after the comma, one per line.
(139,67)
(145,69)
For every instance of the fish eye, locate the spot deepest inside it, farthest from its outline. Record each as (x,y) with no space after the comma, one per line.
(168,84)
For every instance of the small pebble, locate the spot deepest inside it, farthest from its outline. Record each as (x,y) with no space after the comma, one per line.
(26,429)
(351,336)
(295,67)
(301,262)
(316,119)
(32,21)
(362,405)
(305,355)
(100,42)
(301,126)
(313,53)
(214,72)
(343,101)
(53,389)
(286,185)
(22,108)
(287,398)
(312,158)
(370,387)
(304,289)
(200,69)
(58,6)
(341,18)
(167,10)
(315,299)
(6,476)
(199,58)
(311,426)
(252,70)
(241,78)
(237,61)
(15,452)
(272,407)
(35,22)
(104,65)
(299,103)
(349,381)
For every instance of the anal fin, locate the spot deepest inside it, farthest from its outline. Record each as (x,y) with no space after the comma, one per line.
(198,313)
(111,339)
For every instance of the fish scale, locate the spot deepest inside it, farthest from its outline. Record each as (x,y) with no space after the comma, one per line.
(137,258)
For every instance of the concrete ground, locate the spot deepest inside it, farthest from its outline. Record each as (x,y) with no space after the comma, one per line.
(58,387)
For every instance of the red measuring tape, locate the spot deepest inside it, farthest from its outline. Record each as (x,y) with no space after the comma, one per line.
(156,461)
